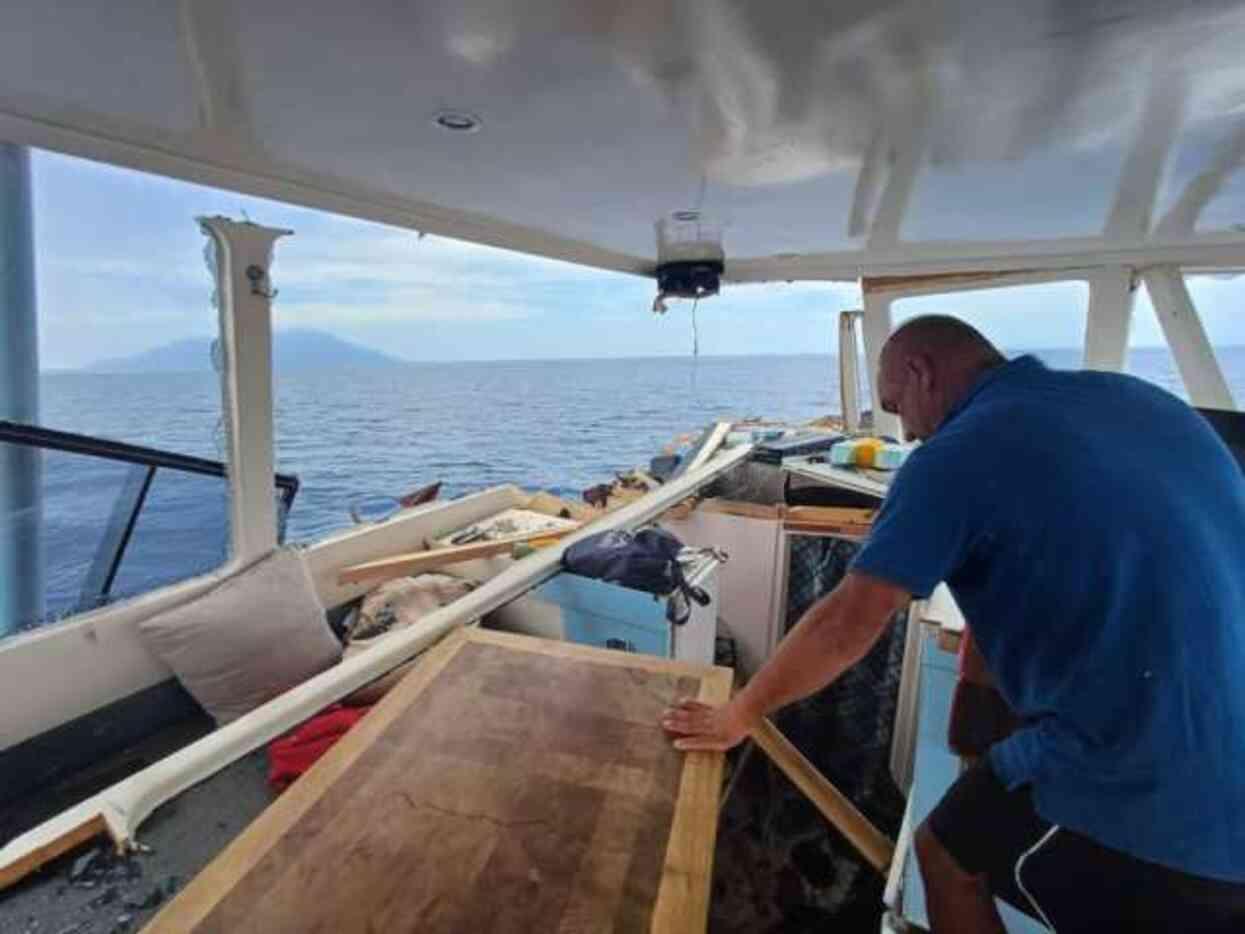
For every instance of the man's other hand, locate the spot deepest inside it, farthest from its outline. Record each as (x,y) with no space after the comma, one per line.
(698,726)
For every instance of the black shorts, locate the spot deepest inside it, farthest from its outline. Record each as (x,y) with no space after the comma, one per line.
(1066,880)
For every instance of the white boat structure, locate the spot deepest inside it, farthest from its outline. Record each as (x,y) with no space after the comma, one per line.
(913,148)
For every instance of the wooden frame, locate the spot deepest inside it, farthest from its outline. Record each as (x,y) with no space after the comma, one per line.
(682,901)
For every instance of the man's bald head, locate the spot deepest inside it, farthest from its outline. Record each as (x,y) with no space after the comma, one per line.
(926,367)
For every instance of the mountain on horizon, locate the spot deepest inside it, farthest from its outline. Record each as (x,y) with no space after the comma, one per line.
(294,349)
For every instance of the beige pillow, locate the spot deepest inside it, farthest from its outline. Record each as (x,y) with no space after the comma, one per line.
(392,606)
(250,638)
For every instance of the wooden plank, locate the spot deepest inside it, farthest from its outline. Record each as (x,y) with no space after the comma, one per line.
(870,842)
(55,845)
(830,520)
(551,505)
(506,781)
(416,562)
(731,507)
(683,899)
(853,532)
(838,515)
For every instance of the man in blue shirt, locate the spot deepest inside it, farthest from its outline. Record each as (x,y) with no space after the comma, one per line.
(1092,529)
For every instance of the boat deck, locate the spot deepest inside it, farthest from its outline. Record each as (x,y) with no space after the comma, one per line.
(92,891)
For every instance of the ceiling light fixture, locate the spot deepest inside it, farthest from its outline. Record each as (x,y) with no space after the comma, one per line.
(457,121)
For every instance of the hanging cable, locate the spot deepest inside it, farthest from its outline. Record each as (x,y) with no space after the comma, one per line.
(695,330)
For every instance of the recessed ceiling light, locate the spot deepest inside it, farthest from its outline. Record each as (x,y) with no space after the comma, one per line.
(686,215)
(457,121)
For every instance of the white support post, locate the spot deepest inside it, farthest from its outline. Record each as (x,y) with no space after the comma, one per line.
(1108,318)
(1187,338)
(849,370)
(243,258)
(877,328)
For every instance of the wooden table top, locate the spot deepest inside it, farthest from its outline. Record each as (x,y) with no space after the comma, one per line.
(506,784)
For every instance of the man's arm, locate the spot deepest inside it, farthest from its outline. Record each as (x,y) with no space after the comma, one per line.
(830,637)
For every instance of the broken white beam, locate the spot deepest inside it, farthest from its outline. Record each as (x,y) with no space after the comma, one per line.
(717,437)
(122,808)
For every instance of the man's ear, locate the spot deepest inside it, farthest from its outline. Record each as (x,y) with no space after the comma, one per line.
(922,367)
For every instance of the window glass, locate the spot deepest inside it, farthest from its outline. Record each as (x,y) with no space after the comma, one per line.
(123,379)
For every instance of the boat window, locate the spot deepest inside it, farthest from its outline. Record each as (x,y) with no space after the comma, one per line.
(1047,319)
(111,436)
(369,408)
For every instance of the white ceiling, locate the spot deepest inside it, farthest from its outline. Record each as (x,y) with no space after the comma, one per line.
(830,138)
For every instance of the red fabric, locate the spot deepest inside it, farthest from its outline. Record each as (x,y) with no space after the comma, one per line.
(296,752)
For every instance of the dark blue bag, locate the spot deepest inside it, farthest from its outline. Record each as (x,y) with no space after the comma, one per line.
(646,560)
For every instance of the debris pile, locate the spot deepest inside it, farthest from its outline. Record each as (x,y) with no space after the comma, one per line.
(102,893)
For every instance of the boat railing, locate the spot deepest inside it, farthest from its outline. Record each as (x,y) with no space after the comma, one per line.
(144,464)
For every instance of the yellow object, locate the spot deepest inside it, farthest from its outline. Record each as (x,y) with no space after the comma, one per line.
(523,549)
(866,451)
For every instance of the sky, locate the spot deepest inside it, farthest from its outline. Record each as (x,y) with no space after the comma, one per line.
(120,269)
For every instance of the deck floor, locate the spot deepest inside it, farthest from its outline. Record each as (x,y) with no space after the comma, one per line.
(183,835)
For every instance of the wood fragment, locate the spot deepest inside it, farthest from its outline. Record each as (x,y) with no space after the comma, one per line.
(57,844)
(417,562)
(681,511)
(550,505)
(877,849)
(425,494)
(746,510)
(837,515)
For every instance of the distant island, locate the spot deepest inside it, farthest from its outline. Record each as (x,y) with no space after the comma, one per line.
(293,349)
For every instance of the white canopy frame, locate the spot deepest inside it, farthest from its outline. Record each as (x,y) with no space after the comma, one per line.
(1112,290)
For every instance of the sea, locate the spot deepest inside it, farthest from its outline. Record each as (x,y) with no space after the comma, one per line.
(358,438)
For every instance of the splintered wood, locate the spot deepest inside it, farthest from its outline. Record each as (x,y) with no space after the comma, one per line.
(507,783)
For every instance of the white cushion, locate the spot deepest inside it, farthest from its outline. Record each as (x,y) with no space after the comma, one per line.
(248,639)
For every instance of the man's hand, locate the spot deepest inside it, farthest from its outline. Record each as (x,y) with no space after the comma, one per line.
(701,726)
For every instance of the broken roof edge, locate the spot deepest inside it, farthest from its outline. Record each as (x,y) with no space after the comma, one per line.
(121,808)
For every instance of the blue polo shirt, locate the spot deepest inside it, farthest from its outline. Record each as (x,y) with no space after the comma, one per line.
(1092,529)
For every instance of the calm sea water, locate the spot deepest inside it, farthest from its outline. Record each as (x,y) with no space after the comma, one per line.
(555,425)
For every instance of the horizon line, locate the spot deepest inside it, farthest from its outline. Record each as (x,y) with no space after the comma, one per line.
(399,361)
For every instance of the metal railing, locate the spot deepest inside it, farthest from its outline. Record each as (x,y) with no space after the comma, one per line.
(145,463)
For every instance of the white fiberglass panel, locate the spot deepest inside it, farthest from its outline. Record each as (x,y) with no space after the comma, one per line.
(804,128)
(97,62)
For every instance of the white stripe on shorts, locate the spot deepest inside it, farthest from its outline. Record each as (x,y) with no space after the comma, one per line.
(1020,863)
